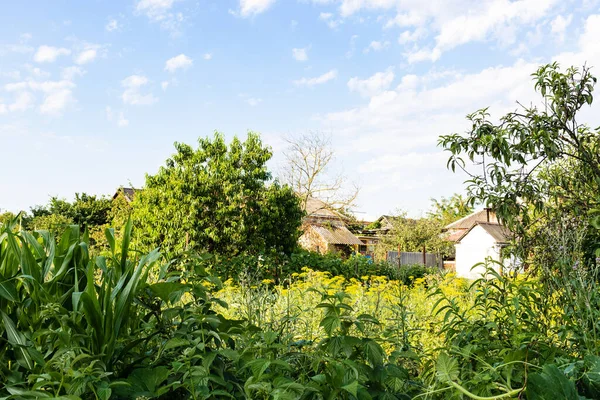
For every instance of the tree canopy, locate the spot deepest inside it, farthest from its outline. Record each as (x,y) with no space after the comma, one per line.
(218,198)
(539,166)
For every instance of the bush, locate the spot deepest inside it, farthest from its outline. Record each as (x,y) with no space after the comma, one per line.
(277,267)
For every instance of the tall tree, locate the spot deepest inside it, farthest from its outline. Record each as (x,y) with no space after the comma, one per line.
(217,198)
(448,210)
(309,171)
(539,166)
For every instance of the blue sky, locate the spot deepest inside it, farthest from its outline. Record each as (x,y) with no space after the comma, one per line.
(94,93)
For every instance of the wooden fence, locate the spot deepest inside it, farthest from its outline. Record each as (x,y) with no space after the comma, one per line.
(408,258)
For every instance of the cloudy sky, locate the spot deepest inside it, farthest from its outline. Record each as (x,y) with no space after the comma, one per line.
(94,93)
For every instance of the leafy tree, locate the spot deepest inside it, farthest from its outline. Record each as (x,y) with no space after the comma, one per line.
(7,217)
(217,198)
(414,235)
(448,210)
(538,167)
(86,211)
(54,223)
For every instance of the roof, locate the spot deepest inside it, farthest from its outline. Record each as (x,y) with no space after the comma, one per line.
(335,234)
(128,193)
(497,231)
(471,219)
(317,208)
(455,236)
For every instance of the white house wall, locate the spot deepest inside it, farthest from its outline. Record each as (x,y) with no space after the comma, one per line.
(474,248)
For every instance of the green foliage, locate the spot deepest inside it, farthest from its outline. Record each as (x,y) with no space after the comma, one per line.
(215,198)
(414,235)
(537,166)
(86,211)
(448,210)
(53,223)
(130,324)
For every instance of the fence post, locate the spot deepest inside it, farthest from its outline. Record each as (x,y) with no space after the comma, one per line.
(399,258)
(424,257)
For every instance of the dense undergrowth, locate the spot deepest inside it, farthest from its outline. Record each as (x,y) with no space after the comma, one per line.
(127,325)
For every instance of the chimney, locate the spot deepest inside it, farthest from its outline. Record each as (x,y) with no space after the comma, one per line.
(487,214)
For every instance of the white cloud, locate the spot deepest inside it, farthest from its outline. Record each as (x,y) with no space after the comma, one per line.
(423,55)
(160,11)
(404,19)
(376,45)
(207,56)
(58,95)
(249,8)
(410,36)
(56,101)
(49,53)
(36,72)
(154,9)
(164,85)
(132,94)
(86,56)
(392,136)
(23,101)
(452,23)
(178,62)
(492,20)
(326,77)
(112,25)
(559,26)
(331,22)
(3,109)
(70,73)
(300,54)
(373,85)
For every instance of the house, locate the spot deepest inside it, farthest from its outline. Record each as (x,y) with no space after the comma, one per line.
(456,229)
(126,193)
(481,241)
(325,230)
(371,233)
(477,237)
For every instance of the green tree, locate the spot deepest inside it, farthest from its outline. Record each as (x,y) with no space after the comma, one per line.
(86,210)
(448,210)
(414,235)
(539,167)
(217,198)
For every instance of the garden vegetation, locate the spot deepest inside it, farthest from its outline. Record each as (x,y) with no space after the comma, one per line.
(146,312)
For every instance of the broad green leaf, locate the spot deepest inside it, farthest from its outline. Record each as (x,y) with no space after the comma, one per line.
(8,290)
(550,384)
(352,388)
(169,292)
(17,340)
(446,368)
